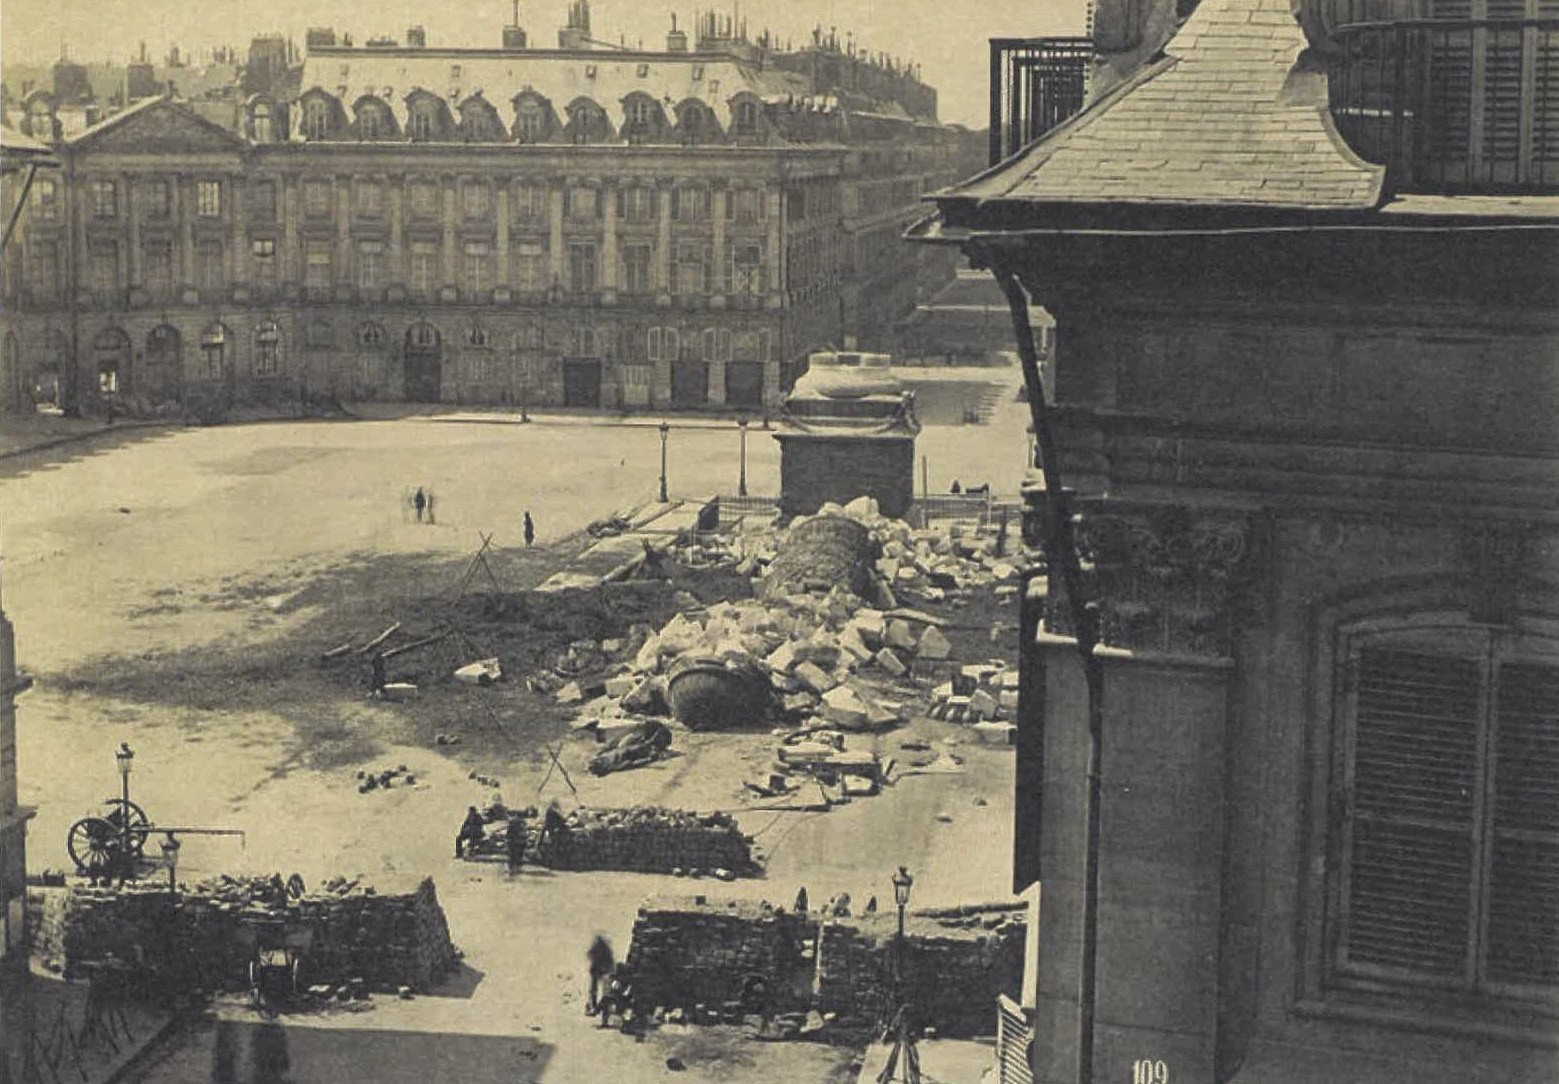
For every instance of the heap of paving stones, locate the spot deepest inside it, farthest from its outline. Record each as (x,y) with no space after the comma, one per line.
(204,936)
(650,839)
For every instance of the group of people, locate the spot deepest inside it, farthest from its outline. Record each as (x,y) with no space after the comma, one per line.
(611,986)
(473,830)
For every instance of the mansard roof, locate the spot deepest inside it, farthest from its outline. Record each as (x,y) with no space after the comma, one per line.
(607,77)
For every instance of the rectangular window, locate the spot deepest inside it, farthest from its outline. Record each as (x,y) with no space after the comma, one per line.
(424,199)
(45,270)
(105,199)
(105,266)
(1449,848)
(745,205)
(267,351)
(317,271)
(46,199)
(370,264)
(208,264)
(692,270)
(316,198)
(663,344)
(478,266)
(638,204)
(636,260)
(208,199)
(583,204)
(530,203)
(263,253)
(262,201)
(474,200)
(157,198)
(581,268)
(747,269)
(157,267)
(530,266)
(424,266)
(690,204)
(370,199)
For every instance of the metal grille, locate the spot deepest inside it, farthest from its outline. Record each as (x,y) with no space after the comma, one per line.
(1036,83)
(1452,103)
(1013,1037)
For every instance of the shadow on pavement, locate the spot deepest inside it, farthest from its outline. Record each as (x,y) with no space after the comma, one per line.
(271,1052)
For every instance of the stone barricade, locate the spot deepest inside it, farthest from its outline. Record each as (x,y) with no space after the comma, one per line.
(651,840)
(204,937)
(699,959)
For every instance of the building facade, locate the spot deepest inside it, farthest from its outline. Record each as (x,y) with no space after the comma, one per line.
(579,226)
(1301,265)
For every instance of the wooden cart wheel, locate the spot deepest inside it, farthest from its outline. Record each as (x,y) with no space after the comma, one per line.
(139,823)
(93,843)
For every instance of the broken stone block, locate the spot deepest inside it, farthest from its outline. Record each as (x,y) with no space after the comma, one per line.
(844,707)
(782,658)
(982,705)
(906,575)
(900,634)
(880,716)
(934,645)
(957,709)
(799,702)
(851,644)
(882,595)
(620,685)
(869,624)
(570,693)
(994,733)
(647,660)
(814,677)
(889,663)
(1007,700)
(481,672)
(863,508)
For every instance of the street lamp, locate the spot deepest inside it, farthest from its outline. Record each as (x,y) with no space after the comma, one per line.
(122,757)
(741,484)
(665,431)
(170,858)
(901,885)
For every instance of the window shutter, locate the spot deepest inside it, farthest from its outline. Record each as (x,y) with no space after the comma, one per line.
(1523,911)
(1415,751)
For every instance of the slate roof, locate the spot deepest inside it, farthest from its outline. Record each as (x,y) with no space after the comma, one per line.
(558,75)
(1231,116)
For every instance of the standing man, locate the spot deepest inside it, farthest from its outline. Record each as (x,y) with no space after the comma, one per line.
(471,831)
(601,966)
(420,503)
(530,530)
(515,841)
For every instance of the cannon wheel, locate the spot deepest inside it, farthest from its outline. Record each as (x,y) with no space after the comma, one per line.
(139,822)
(93,843)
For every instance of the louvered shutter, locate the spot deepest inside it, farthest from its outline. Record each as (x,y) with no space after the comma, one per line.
(1523,909)
(1410,831)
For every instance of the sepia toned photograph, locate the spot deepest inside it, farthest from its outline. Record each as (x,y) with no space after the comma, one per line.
(827,543)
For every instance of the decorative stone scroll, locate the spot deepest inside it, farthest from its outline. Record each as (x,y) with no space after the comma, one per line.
(1162,578)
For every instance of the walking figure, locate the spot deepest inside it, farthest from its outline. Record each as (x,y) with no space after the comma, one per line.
(431,518)
(601,966)
(515,840)
(420,503)
(530,529)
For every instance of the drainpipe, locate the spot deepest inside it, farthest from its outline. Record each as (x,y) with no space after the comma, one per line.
(1061,554)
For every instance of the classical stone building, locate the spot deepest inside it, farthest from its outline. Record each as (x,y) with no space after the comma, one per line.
(580,226)
(1301,261)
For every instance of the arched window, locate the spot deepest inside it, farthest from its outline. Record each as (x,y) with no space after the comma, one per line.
(111,350)
(423,335)
(696,123)
(744,117)
(532,118)
(426,117)
(267,349)
(587,122)
(478,336)
(663,344)
(316,118)
(643,118)
(717,344)
(583,342)
(370,336)
(264,122)
(479,121)
(374,120)
(213,352)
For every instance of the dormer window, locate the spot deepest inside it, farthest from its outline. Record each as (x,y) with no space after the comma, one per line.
(316,118)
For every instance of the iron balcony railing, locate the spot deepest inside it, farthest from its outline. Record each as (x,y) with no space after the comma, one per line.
(1036,83)
(1452,105)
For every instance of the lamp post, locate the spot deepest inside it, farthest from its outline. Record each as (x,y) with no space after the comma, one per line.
(901,885)
(741,483)
(170,858)
(903,1041)
(122,757)
(665,431)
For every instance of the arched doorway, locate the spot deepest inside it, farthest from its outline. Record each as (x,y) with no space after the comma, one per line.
(111,363)
(424,361)
(163,375)
(51,384)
